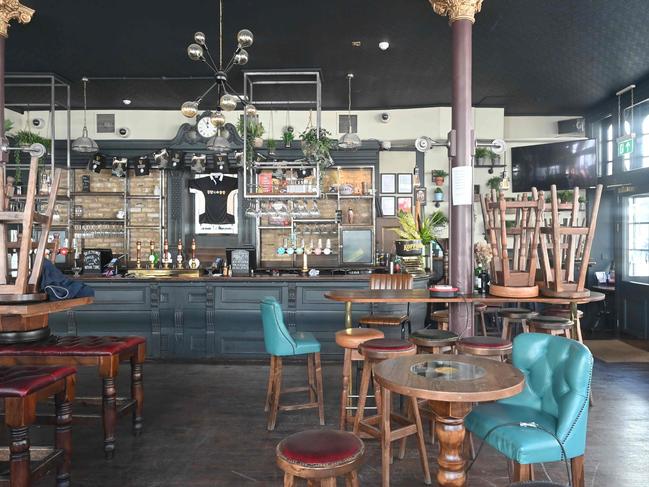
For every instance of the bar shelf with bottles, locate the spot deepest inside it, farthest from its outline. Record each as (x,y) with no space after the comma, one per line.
(281,180)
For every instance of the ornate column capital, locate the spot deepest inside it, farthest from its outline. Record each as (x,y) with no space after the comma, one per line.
(12,9)
(457,9)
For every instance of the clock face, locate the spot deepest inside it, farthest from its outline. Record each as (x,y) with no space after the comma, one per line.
(205,128)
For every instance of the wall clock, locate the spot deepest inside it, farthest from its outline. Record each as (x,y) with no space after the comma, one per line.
(205,127)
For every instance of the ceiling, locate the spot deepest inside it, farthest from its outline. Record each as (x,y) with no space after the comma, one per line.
(530,56)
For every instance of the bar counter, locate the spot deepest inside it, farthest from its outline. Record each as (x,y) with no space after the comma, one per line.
(217,317)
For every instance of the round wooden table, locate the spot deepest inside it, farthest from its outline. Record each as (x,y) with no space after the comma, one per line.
(452,383)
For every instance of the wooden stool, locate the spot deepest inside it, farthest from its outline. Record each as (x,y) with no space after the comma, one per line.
(376,351)
(565,313)
(320,456)
(441,318)
(485,347)
(429,340)
(103,352)
(479,309)
(552,325)
(515,315)
(21,387)
(350,339)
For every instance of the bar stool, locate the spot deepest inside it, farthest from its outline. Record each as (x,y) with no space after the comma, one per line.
(565,313)
(280,343)
(389,282)
(552,325)
(320,456)
(349,339)
(479,310)
(21,388)
(376,351)
(485,347)
(441,318)
(515,315)
(429,340)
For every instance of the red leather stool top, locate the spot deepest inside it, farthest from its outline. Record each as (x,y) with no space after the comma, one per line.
(22,380)
(388,344)
(486,342)
(321,448)
(74,345)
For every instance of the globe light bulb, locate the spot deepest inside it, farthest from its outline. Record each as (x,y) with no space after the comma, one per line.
(195,52)
(245,38)
(199,37)
(250,110)
(218,119)
(189,109)
(228,102)
(241,57)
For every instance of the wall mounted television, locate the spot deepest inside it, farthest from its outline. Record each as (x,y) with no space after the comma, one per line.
(566,164)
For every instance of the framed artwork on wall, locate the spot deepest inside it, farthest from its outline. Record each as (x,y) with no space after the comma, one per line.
(388,183)
(404,183)
(388,206)
(404,203)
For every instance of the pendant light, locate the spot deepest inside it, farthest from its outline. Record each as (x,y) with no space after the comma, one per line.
(85,144)
(219,143)
(349,141)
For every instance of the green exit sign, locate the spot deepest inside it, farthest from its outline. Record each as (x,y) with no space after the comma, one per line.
(625,146)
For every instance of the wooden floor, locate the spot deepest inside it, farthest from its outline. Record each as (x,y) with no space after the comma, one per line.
(205,426)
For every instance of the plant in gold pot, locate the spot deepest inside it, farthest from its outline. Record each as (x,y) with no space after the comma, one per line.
(415,238)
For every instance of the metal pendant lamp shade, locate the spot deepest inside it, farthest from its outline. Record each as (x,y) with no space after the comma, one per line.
(85,144)
(219,144)
(351,140)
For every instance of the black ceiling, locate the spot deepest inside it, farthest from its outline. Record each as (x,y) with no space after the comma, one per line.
(530,56)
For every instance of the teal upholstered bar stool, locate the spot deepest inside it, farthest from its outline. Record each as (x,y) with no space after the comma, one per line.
(554,403)
(280,343)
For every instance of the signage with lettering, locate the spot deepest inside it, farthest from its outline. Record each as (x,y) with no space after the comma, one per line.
(240,262)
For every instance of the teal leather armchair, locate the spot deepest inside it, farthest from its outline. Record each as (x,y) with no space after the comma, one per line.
(557,373)
(280,343)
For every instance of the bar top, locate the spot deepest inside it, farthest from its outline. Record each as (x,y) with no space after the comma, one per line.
(256,278)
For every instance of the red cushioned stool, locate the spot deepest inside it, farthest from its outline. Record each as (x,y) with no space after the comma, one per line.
(21,388)
(103,352)
(320,456)
(495,347)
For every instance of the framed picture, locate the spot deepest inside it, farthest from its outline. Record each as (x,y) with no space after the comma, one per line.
(420,195)
(388,205)
(404,184)
(404,203)
(388,183)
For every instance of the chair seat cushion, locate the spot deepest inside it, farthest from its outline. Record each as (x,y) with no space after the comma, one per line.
(563,312)
(550,322)
(440,315)
(74,346)
(387,344)
(353,337)
(22,380)
(523,445)
(305,343)
(383,320)
(517,313)
(486,342)
(433,336)
(320,448)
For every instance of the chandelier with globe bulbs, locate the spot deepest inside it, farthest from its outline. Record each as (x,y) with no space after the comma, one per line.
(228,97)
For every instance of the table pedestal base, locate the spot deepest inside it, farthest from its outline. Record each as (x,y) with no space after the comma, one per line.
(449,428)
(22,329)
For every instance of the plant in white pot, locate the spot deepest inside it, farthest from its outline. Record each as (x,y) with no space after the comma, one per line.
(438,195)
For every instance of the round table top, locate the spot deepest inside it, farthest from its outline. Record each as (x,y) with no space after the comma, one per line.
(450,378)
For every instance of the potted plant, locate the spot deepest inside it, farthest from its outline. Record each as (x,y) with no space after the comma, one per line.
(272,145)
(318,149)
(24,139)
(493,157)
(582,203)
(494,183)
(438,176)
(288,136)
(414,238)
(438,195)
(254,131)
(482,156)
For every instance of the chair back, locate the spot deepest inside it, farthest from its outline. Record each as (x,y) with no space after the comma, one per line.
(391,282)
(558,373)
(277,339)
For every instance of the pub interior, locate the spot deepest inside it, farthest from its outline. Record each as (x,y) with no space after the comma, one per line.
(324,243)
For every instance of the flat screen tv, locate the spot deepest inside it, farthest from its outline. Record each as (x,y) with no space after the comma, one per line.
(566,164)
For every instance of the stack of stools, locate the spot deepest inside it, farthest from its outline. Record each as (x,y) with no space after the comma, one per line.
(485,346)
(21,388)
(350,339)
(104,352)
(552,325)
(565,313)
(376,351)
(515,315)
(320,456)
(429,340)
(441,318)
(391,282)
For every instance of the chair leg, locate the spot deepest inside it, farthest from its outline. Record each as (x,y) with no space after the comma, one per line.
(351,479)
(506,335)
(409,327)
(421,442)
(525,326)
(483,324)
(522,473)
(469,449)
(328,482)
(403,330)
(344,395)
(277,389)
(310,377)
(137,393)
(577,467)
(63,436)
(270,383)
(289,480)
(109,414)
(318,381)
(19,457)
(362,395)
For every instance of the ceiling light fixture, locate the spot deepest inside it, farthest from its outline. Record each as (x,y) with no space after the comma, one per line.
(85,144)
(384,45)
(349,141)
(228,97)
(126,101)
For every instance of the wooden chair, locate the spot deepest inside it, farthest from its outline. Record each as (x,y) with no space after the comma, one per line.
(320,456)
(389,282)
(564,243)
(515,315)
(567,313)
(21,388)
(513,276)
(553,325)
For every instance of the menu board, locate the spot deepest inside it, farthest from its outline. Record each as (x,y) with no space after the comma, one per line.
(240,262)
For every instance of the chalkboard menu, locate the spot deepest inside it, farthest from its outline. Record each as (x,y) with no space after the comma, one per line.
(241,260)
(94,260)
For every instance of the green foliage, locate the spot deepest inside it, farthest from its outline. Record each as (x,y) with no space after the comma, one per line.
(481,152)
(254,129)
(439,190)
(271,144)
(494,183)
(9,126)
(288,136)
(439,173)
(427,231)
(25,138)
(565,196)
(582,199)
(318,149)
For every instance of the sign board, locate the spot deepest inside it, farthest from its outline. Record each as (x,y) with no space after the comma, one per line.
(240,262)
(625,146)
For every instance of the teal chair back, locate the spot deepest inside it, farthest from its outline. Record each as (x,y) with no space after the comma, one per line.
(277,339)
(558,373)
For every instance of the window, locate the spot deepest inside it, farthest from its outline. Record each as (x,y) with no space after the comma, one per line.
(638,238)
(644,143)
(606,146)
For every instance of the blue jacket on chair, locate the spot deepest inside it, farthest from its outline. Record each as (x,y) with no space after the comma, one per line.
(277,339)
(557,386)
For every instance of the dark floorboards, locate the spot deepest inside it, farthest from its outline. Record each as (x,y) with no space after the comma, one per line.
(205,426)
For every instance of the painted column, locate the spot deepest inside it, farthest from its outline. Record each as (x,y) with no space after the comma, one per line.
(461,15)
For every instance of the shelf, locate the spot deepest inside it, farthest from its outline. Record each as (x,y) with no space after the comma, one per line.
(490,167)
(144,197)
(275,227)
(98,193)
(97,220)
(143,227)
(40,197)
(354,196)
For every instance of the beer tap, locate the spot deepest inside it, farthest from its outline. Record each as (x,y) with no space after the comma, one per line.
(138,255)
(194,263)
(152,258)
(179,257)
(166,255)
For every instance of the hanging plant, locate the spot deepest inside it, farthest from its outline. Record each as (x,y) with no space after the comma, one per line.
(287,136)
(494,183)
(254,132)
(272,145)
(439,175)
(316,149)
(25,138)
